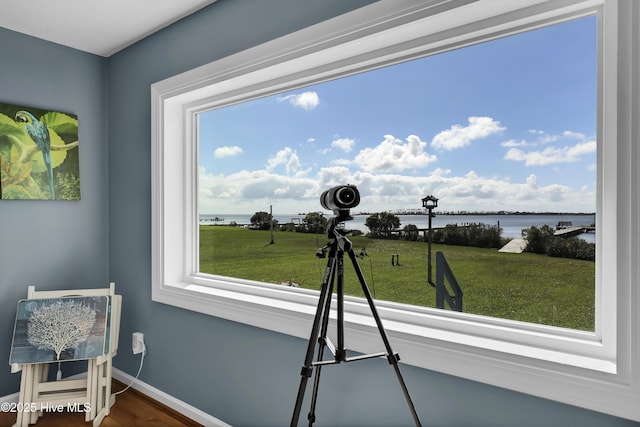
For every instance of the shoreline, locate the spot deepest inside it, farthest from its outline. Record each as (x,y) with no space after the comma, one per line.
(482,213)
(422,212)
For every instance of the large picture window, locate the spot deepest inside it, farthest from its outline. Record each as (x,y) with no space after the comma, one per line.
(594,365)
(503,132)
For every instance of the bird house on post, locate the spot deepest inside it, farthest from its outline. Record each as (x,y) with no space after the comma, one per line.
(430,202)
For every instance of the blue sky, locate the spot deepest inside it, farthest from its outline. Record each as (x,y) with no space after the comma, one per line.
(504,125)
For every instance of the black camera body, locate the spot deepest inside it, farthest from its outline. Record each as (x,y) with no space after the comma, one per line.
(340,199)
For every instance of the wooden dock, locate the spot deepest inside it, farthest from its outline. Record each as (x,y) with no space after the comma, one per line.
(515,246)
(574,231)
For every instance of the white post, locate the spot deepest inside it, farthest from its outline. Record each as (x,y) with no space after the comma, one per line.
(271,223)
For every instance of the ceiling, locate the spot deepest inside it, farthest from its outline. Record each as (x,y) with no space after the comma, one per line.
(101,27)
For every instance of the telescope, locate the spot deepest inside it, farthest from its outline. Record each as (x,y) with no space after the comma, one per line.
(340,199)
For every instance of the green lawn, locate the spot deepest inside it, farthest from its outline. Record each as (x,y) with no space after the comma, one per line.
(526,287)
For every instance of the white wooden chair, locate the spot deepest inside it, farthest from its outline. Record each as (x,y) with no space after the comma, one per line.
(91,394)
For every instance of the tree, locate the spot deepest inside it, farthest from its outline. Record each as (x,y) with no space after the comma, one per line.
(260,220)
(410,232)
(314,222)
(382,224)
(537,238)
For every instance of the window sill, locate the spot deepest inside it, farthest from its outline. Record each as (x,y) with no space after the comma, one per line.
(453,343)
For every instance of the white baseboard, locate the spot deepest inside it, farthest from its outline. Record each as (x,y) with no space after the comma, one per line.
(177,405)
(10,398)
(184,408)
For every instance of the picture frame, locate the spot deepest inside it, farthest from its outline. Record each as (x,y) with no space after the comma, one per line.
(79,332)
(38,154)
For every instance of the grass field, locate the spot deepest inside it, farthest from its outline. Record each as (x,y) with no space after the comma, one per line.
(526,287)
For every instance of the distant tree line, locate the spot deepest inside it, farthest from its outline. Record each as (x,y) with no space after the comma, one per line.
(385,225)
(540,240)
(313,222)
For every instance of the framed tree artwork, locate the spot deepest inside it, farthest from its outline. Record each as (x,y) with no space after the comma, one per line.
(60,329)
(38,154)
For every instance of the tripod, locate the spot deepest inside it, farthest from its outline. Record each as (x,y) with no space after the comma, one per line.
(335,269)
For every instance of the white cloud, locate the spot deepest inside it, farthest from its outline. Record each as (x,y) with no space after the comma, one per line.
(251,191)
(516,155)
(544,138)
(514,143)
(441,172)
(306,100)
(459,136)
(345,144)
(551,155)
(229,151)
(288,157)
(571,134)
(394,155)
(378,173)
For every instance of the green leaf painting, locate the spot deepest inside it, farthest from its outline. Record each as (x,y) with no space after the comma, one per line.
(38,154)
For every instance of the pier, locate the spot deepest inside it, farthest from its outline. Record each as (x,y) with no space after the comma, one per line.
(574,230)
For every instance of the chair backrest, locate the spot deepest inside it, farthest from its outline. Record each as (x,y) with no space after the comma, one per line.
(33,294)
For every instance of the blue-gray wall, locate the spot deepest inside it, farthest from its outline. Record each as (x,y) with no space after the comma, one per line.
(243,375)
(62,244)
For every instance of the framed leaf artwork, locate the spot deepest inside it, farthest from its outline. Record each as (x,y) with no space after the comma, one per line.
(38,154)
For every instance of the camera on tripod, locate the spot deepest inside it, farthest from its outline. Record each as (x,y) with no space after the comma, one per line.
(340,199)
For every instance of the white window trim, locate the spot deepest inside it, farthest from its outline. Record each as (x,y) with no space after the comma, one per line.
(598,371)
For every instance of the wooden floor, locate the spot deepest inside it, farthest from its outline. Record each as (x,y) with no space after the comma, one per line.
(132,409)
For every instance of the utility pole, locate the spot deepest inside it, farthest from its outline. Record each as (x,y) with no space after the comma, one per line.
(271,223)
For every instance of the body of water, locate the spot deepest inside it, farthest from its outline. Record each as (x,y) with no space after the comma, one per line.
(511,225)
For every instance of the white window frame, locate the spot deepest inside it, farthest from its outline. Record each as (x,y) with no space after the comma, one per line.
(598,371)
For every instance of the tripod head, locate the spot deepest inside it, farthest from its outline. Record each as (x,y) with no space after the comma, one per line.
(334,222)
(339,235)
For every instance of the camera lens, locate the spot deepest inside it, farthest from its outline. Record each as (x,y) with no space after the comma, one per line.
(340,197)
(345,197)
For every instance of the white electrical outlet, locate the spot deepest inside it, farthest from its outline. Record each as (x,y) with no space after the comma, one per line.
(137,342)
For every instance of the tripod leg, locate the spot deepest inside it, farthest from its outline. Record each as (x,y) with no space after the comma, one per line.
(393,358)
(307,368)
(322,341)
(341,353)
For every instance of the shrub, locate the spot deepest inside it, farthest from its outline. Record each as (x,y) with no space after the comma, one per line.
(537,239)
(410,232)
(477,235)
(542,241)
